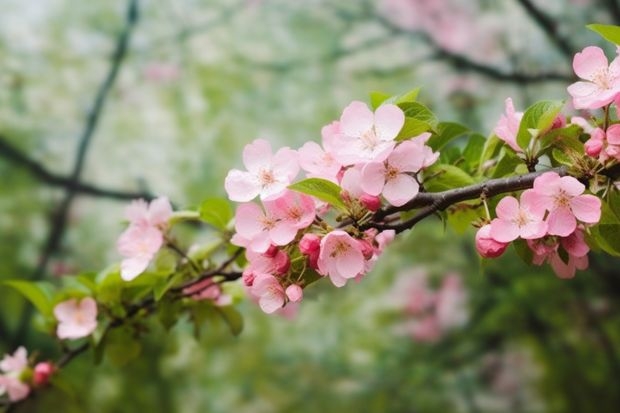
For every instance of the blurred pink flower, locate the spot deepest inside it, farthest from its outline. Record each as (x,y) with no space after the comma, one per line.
(138,244)
(76,319)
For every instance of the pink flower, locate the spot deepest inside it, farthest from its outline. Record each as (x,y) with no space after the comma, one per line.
(138,244)
(258,229)
(368,136)
(276,263)
(319,162)
(156,214)
(267,174)
(546,249)
(292,209)
(270,294)
(516,220)
(601,82)
(392,178)
(486,246)
(207,289)
(594,145)
(13,366)
(426,329)
(562,197)
(341,257)
(76,319)
(612,149)
(451,303)
(508,126)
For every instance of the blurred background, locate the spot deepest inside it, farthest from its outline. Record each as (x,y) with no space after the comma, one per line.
(99,105)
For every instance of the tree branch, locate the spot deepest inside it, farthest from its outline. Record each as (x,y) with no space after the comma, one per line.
(14,155)
(549,26)
(60,217)
(432,202)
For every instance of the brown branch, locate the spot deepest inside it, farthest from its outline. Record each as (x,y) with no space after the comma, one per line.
(220,270)
(433,202)
(549,26)
(60,217)
(14,155)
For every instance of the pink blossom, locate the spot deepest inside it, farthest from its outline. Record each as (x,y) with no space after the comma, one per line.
(270,294)
(14,387)
(392,178)
(156,214)
(16,363)
(258,229)
(486,245)
(76,319)
(516,220)
(351,183)
(310,245)
(138,244)
(426,329)
(267,174)
(277,263)
(207,289)
(319,162)
(341,257)
(368,136)
(508,126)
(546,249)
(370,202)
(420,298)
(562,197)
(294,293)
(612,147)
(292,209)
(601,81)
(451,300)
(594,145)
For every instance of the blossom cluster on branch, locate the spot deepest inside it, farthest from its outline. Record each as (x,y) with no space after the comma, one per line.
(551,180)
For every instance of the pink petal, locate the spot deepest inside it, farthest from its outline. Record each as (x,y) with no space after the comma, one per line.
(613,134)
(249,220)
(285,164)
(88,307)
(241,186)
(389,120)
(571,186)
(589,61)
(257,155)
(134,266)
(350,264)
(535,203)
(373,178)
(356,119)
(561,221)
(504,230)
(533,230)
(561,269)
(65,310)
(160,211)
(587,208)
(270,303)
(507,209)
(547,183)
(400,190)
(408,156)
(282,233)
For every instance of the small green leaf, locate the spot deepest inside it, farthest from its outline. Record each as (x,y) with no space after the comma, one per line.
(507,164)
(216,212)
(408,97)
(377,98)
(446,133)
(38,293)
(608,238)
(443,177)
(420,112)
(491,148)
(539,116)
(461,215)
(232,317)
(322,189)
(523,251)
(473,150)
(608,32)
(121,347)
(562,157)
(168,312)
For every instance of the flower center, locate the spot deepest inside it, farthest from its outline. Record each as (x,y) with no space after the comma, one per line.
(522,219)
(602,78)
(339,249)
(562,200)
(369,139)
(391,173)
(266,177)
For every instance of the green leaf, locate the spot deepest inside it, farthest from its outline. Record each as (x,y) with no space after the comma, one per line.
(491,148)
(523,251)
(377,98)
(461,215)
(608,32)
(608,238)
(446,133)
(412,128)
(216,212)
(121,347)
(561,157)
(168,312)
(38,293)
(473,150)
(408,97)
(507,164)
(232,317)
(322,189)
(539,116)
(443,177)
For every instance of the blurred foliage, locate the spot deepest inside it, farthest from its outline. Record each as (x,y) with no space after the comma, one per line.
(203,78)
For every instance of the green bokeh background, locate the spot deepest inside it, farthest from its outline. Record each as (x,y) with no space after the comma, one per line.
(204,78)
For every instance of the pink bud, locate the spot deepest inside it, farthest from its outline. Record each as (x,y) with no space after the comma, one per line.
(593,147)
(558,122)
(309,244)
(294,293)
(42,373)
(271,251)
(281,262)
(487,246)
(371,202)
(366,248)
(248,278)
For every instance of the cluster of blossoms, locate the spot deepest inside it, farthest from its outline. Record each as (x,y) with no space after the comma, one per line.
(144,236)
(361,155)
(17,377)
(551,217)
(432,312)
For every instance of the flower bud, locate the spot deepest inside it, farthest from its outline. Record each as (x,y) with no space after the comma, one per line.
(281,262)
(370,202)
(487,246)
(294,293)
(309,244)
(42,373)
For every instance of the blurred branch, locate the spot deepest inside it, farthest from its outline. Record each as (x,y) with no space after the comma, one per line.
(12,154)
(433,202)
(60,217)
(462,62)
(549,26)
(614,9)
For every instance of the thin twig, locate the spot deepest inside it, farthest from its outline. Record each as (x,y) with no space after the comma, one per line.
(14,155)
